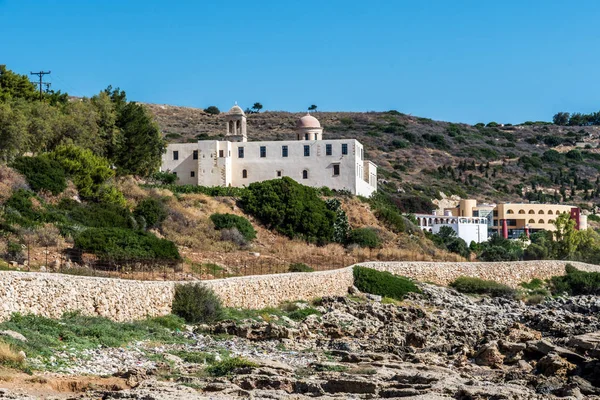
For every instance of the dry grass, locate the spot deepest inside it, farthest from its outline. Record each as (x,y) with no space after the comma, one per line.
(8,356)
(10,180)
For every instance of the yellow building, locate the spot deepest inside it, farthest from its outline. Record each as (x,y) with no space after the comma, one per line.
(510,220)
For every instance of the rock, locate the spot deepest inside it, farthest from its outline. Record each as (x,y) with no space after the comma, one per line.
(353,290)
(349,385)
(416,339)
(22,355)
(545,347)
(374,297)
(524,366)
(14,335)
(42,269)
(587,343)
(489,355)
(134,376)
(585,386)
(173,358)
(14,264)
(552,364)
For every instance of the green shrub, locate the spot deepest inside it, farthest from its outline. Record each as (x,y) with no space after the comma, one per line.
(382,283)
(19,209)
(96,215)
(533,284)
(364,237)
(292,209)
(465,284)
(88,171)
(196,303)
(229,221)
(163,178)
(123,244)
(229,365)
(576,282)
(301,313)
(42,173)
(213,110)
(152,210)
(300,267)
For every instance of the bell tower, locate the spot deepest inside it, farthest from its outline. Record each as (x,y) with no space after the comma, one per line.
(236,125)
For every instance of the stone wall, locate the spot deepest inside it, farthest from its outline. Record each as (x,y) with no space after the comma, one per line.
(509,273)
(53,294)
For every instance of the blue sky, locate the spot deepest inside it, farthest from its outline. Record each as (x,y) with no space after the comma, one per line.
(462,61)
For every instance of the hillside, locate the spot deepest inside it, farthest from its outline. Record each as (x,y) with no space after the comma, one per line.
(532,161)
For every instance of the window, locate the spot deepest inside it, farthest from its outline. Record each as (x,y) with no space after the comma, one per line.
(195,155)
(263,151)
(175,173)
(305,174)
(284,151)
(240,152)
(175,155)
(336,169)
(510,212)
(278,173)
(192,174)
(362,154)
(306,151)
(328,150)
(344,148)
(221,153)
(244,174)
(306,136)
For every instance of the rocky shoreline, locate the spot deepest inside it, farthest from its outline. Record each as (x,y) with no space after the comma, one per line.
(436,345)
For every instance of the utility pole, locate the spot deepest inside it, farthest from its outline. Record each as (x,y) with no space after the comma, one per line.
(40,74)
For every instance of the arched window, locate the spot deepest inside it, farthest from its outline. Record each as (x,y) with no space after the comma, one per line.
(531,221)
(550,212)
(244,173)
(238,127)
(541,212)
(531,212)
(230,126)
(305,174)
(521,211)
(550,221)
(510,212)
(541,221)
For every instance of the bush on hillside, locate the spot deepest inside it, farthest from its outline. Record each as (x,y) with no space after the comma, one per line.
(576,282)
(465,284)
(196,303)
(42,173)
(293,209)
(364,237)
(230,221)
(88,171)
(96,215)
(19,209)
(229,365)
(152,210)
(213,110)
(300,267)
(163,178)
(123,244)
(382,283)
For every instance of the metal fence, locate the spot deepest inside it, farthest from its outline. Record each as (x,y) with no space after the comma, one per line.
(74,262)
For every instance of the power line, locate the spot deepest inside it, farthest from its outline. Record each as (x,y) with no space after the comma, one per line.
(40,74)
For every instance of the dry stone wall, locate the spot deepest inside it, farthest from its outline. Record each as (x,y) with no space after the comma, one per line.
(51,295)
(509,273)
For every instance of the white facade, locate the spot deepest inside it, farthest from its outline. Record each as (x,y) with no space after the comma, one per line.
(470,229)
(309,160)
